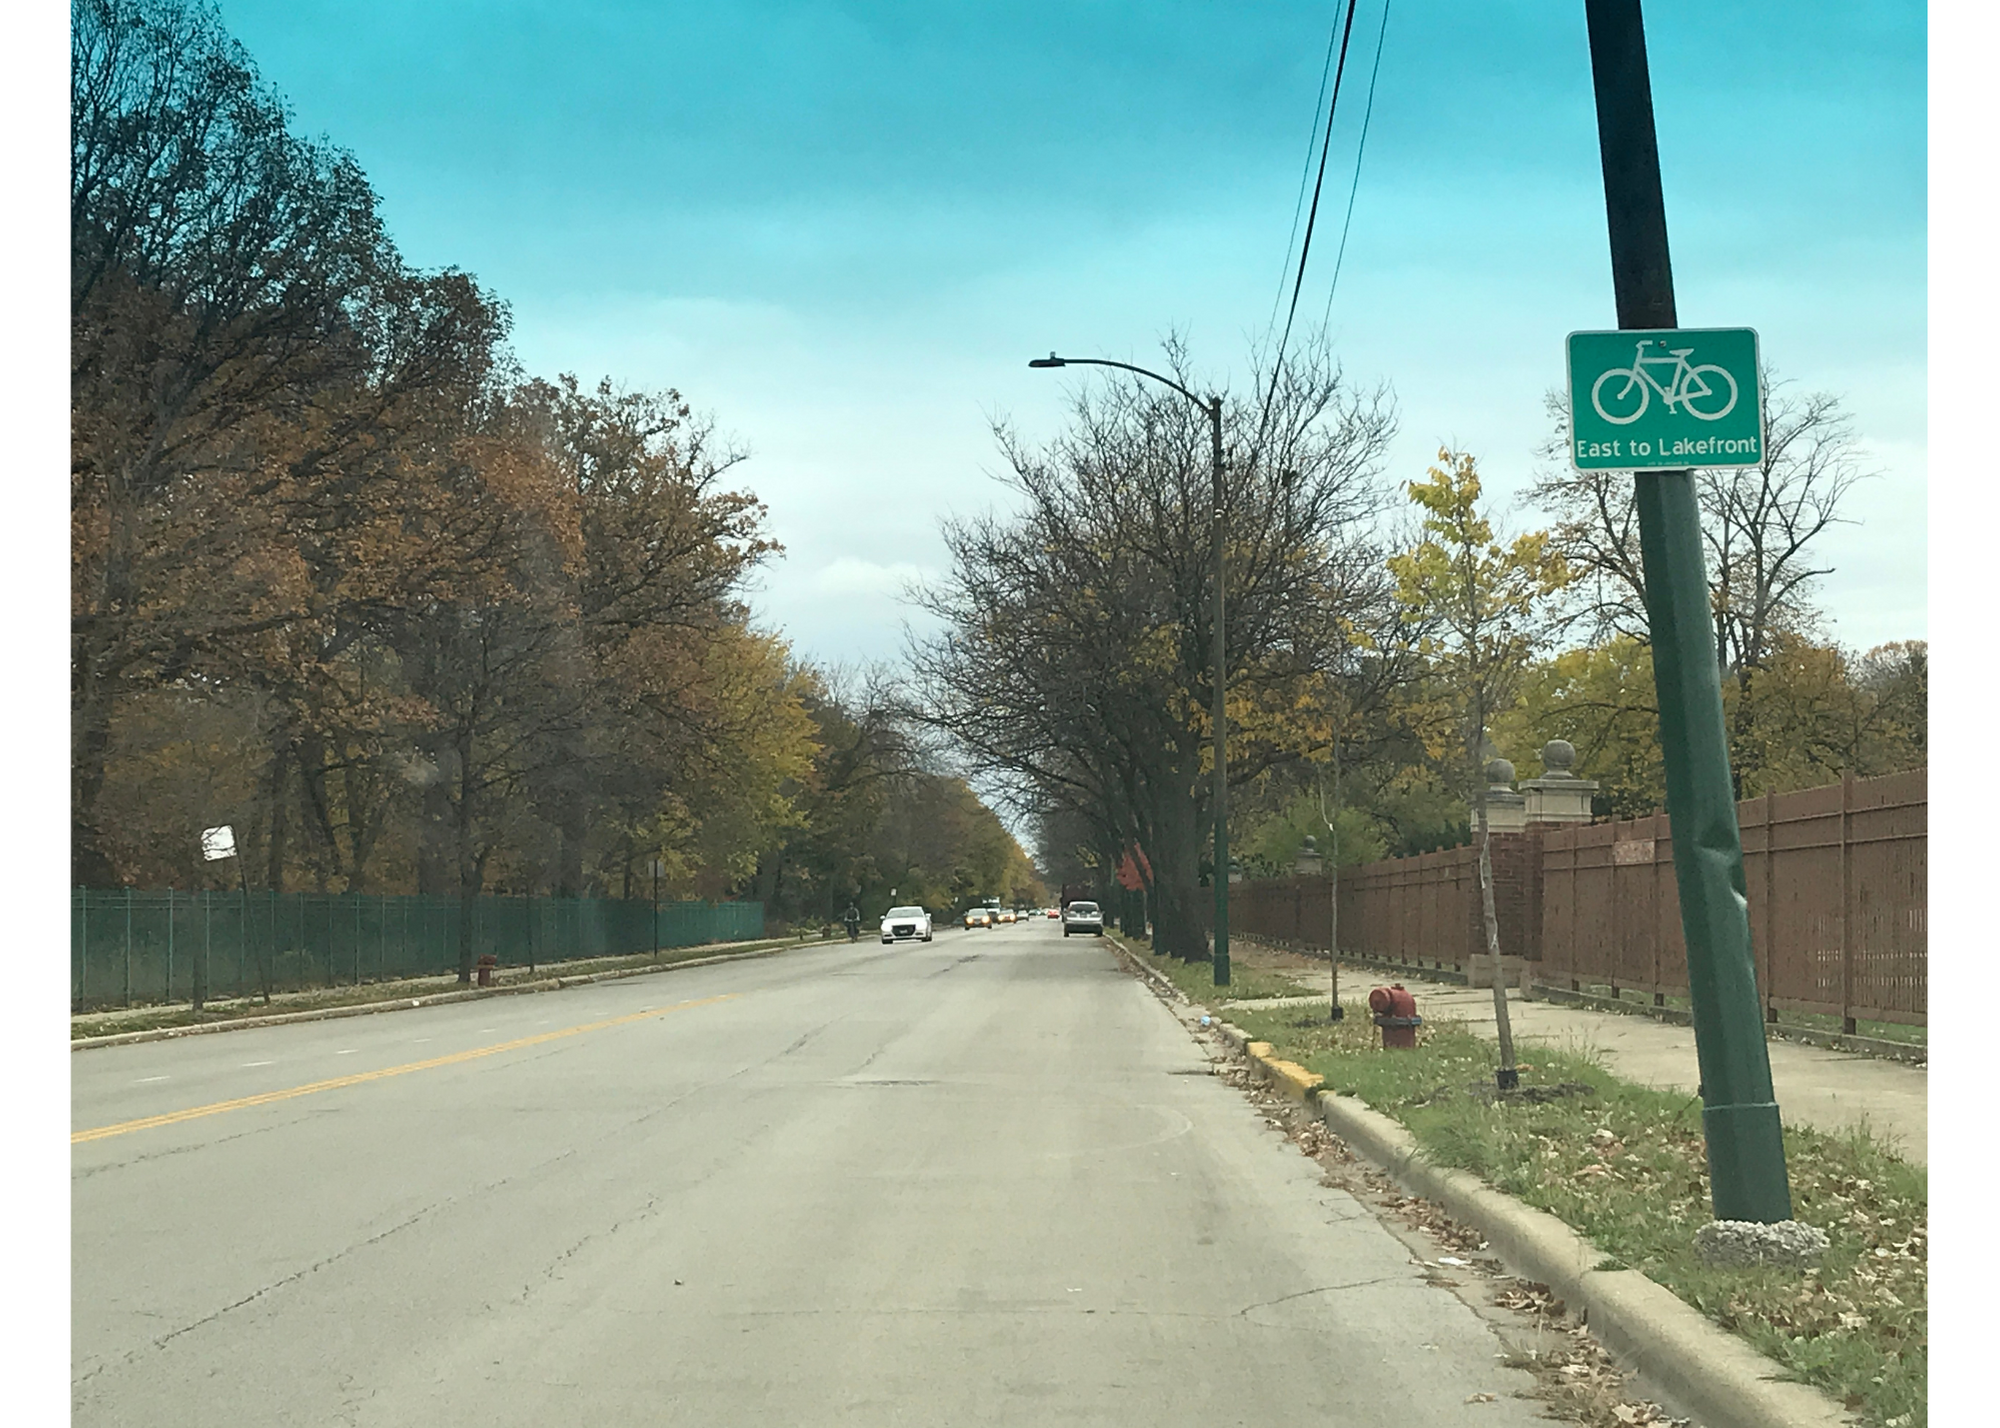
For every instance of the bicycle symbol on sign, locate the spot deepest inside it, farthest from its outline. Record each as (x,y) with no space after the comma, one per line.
(1684,386)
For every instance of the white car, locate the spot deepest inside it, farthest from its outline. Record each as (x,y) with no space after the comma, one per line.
(1083,917)
(901,923)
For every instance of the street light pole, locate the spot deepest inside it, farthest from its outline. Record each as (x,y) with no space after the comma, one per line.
(1220,715)
(1211,407)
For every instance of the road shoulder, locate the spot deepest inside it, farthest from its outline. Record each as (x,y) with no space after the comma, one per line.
(1696,1366)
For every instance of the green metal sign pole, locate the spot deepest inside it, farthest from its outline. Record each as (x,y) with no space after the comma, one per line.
(1746,1154)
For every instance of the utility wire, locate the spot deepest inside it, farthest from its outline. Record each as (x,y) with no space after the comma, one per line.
(1367,113)
(1305,170)
(1305,248)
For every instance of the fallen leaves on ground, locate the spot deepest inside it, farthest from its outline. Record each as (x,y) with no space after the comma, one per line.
(1574,1374)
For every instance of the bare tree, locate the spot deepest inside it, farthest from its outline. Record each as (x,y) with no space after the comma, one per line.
(1075,661)
(1761,526)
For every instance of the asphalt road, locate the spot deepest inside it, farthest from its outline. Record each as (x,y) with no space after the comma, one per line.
(966,1182)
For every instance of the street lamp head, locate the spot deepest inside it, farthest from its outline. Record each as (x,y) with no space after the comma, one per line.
(1049,361)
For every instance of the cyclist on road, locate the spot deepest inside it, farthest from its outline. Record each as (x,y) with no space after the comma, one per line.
(852,917)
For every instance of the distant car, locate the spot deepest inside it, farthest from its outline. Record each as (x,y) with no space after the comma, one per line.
(1054,913)
(1083,917)
(1005,914)
(979,917)
(899,923)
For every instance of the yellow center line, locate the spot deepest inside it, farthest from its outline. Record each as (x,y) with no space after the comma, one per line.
(216,1108)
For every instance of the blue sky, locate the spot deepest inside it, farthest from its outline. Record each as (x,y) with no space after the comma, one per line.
(844,228)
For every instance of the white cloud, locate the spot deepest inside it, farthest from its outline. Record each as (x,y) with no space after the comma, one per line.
(850,576)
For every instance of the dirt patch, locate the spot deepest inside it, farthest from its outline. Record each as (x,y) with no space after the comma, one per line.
(1488,1093)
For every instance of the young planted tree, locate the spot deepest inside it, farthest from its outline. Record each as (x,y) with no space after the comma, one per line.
(1490,612)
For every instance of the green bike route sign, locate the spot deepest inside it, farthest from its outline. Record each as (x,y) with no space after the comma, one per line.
(1665,399)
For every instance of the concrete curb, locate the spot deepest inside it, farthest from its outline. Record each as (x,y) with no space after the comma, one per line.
(1138,964)
(1288,1076)
(437,999)
(1709,1372)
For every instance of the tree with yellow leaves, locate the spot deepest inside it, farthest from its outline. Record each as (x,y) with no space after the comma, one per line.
(1487,602)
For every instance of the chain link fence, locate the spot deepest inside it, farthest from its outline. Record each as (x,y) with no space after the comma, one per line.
(130,948)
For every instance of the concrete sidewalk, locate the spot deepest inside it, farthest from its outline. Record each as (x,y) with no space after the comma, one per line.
(1827,1090)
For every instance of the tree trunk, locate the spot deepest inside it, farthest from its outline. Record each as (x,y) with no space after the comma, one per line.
(1500,1015)
(274,851)
(572,828)
(437,868)
(1740,760)
(94,684)
(770,872)
(1333,890)
(312,778)
(1178,929)
(91,722)
(366,813)
(471,871)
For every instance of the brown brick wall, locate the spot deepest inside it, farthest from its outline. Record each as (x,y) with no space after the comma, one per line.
(1517,868)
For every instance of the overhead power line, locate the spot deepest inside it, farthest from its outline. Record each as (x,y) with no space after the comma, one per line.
(1312,214)
(1367,113)
(1305,169)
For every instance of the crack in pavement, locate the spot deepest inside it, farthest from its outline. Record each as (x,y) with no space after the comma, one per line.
(91,1171)
(130,1355)
(644,1212)
(254,1295)
(796,1045)
(1329,1289)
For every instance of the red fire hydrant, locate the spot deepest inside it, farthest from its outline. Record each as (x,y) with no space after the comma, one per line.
(1396,1013)
(487,962)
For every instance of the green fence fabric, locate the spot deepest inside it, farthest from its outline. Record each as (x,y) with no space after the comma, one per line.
(132,948)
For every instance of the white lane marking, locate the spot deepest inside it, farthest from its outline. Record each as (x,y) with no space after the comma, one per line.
(348,1051)
(144,1079)
(252,1065)
(418,1040)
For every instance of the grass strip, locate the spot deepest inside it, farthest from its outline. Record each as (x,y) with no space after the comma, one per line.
(1196,980)
(1625,1165)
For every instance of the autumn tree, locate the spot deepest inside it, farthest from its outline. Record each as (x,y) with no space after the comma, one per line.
(1488,603)
(1761,525)
(242,335)
(346,577)
(1074,668)
(860,748)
